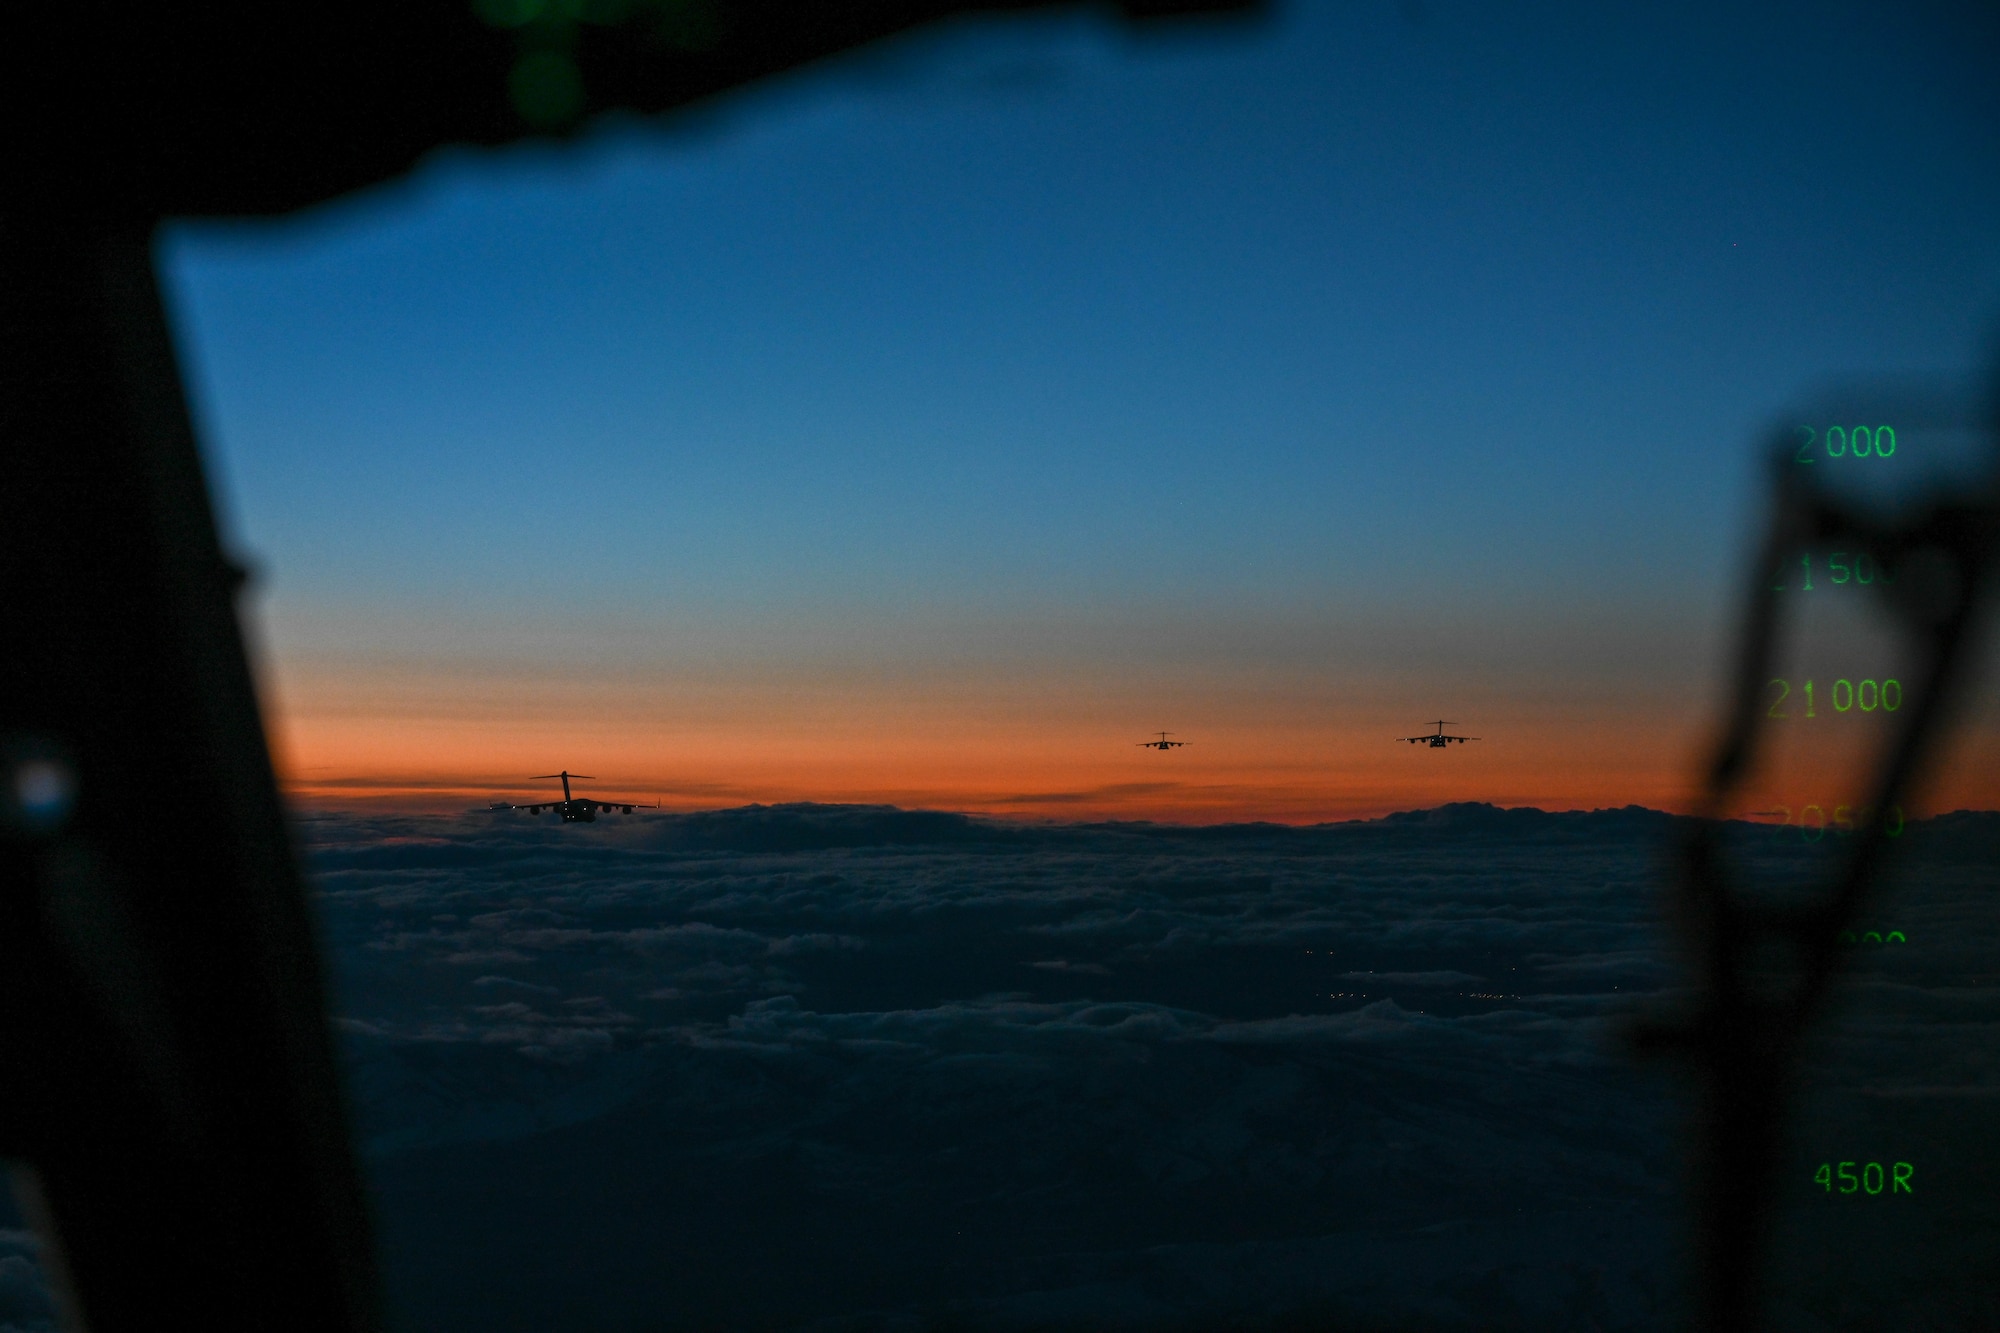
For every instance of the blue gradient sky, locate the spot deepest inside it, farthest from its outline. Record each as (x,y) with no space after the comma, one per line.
(1029,383)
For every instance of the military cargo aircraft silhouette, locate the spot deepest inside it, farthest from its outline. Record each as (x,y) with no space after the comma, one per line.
(1161,744)
(573,809)
(1437,740)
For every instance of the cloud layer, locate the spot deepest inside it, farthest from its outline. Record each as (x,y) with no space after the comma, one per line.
(856,1067)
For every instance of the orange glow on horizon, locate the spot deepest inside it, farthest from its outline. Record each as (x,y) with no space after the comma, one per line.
(1224,775)
(1278,745)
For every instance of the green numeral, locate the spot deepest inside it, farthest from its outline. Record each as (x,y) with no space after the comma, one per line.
(1872,1180)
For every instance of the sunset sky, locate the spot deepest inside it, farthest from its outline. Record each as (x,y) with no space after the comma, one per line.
(933,426)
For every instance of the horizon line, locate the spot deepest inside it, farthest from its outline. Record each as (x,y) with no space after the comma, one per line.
(345,807)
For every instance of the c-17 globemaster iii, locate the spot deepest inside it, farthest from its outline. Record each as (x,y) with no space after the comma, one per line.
(573,809)
(1437,740)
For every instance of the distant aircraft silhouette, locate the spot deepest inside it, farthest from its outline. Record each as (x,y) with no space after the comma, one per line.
(1161,744)
(1437,740)
(573,809)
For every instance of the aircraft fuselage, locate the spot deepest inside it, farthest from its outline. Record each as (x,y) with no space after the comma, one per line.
(579,810)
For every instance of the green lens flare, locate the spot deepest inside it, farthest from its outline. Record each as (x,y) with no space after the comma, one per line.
(546,89)
(508,13)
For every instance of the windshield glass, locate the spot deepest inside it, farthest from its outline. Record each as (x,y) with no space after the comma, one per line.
(1120,620)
